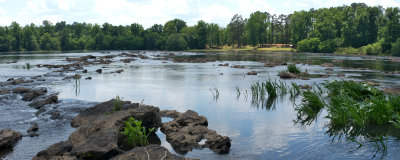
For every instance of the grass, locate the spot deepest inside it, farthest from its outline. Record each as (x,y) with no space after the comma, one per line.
(237,92)
(292,68)
(310,107)
(28,66)
(135,134)
(117,105)
(215,93)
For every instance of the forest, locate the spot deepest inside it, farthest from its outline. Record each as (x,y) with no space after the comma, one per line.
(354,29)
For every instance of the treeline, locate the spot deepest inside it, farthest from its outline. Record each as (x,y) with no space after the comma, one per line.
(370,29)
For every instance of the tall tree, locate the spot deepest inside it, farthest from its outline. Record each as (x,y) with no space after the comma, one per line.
(236,29)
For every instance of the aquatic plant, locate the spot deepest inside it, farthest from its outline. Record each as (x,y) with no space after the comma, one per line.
(215,93)
(292,68)
(237,92)
(135,134)
(310,107)
(28,66)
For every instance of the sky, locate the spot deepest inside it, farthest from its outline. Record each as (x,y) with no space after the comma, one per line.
(149,12)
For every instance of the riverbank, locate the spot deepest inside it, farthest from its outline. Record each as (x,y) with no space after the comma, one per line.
(244,48)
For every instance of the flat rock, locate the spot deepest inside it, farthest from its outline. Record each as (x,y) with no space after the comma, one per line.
(252,73)
(186,131)
(56,151)
(34,94)
(286,75)
(39,103)
(8,138)
(21,90)
(152,151)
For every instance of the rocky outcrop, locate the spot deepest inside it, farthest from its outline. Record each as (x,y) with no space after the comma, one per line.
(187,129)
(8,138)
(39,103)
(149,152)
(59,150)
(21,90)
(32,94)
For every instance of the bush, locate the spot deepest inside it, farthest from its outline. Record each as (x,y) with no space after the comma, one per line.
(135,134)
(327,46)
(372,49)
(175,42)
(396,48)
(308,45)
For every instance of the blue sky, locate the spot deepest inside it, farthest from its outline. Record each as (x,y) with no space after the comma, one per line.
(149,12)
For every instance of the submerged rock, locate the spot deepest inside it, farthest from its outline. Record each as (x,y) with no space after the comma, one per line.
(8,138)
(187,129)
(99,71)
(252,73)
(286,75)
(39,103)
(34,128)
(226,64)
(21,90)
(149,152)
(34,94)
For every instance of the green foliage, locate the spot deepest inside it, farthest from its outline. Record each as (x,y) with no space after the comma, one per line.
(292,68)
(396,48)
(175,42)
(135,134)
(236,29)
(310,107)
(373,49)
(327,46)
(308,45)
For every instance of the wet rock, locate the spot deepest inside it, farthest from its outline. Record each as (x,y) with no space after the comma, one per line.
(33,134)
(305,86)
(252,73)
(99,70)
(187,129)
(286,75)
(327,65)
(372,83)
(21,90)
(34,128)
(56,151)
(329,69)
(84,71)
(8,138)
(392,90)
(19,81)
(100,137)
(76,76)
(149,152)
(34,94)
(337,61)
(324,75)
(88,78)
(4,91)
(226,64)
(99,110)
(55,114)
(128,60)
(238,66)
(341,75)
(119,71)
(39,103)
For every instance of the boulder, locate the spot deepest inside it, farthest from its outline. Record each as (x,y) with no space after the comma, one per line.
(252,73)
(226,64)
(101,137)
(186,131)
(39,103)
(286,75)
(21,90)
(99,71)
(34,128)
(56,151)
(149,152)
(8,138)
(33,94)
(84,71)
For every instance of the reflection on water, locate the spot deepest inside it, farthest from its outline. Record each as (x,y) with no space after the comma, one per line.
(260,128)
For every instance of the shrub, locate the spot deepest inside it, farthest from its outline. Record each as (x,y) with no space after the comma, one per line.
(308,45)
(327,46)
(135,133)
(396,48)
(373,49)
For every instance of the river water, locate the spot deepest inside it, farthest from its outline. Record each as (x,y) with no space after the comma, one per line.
(257,132)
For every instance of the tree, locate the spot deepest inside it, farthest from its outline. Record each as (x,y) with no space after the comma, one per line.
(16,32)
(256,27)
(214,35)
(236,29)
(201,29)
(174,26)
(175,42)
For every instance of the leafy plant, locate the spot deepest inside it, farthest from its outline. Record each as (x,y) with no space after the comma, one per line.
(135,134)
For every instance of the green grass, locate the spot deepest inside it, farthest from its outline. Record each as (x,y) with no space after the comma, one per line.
(28,66)
(310,107)
(117,105)
(292,68)
(135,134)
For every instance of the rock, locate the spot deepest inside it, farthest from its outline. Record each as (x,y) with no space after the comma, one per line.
(252,73)
(327,65)
(76,76)
(186,131)
(329,69)
(337,61)
(4,91)
(238,66)
(99,110)
(341,75)
(88,78)
(101,138)
(270,64)
(19,81)
(152,151)
(55,114)
(372,83)
(55,151)
(119,71)
(286,75)
(127,60)
(226,64)
(392,90)
(8,138)
(84,71)
(33,94)
(34,128)
(39,103)
(33,134)
(21,90)
(305,86)
(99,70)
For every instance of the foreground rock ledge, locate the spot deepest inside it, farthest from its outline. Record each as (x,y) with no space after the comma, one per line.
(187,129)
(98,135)
(8,138)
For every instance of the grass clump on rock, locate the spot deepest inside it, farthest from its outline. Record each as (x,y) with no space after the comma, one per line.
(135,134)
